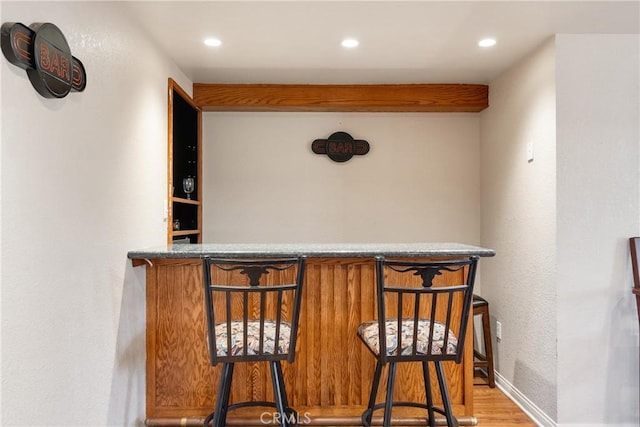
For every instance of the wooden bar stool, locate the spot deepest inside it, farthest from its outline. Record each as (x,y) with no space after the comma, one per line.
(634,246)
(484,361)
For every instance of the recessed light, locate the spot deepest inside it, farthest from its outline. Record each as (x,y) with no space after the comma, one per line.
(212,42)
(487,42)
(350,43)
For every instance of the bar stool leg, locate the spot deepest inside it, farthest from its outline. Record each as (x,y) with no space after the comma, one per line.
(287,418)
(485,361)
(488,347)
(222,402)
(368,414)
(446,403)
(429,393)
(389,401)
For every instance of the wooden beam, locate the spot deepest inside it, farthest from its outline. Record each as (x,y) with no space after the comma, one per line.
(377,98)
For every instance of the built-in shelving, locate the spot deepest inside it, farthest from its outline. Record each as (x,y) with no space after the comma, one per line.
(184,218)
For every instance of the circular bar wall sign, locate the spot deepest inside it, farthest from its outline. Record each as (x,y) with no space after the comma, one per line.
(340,147)
(43,51)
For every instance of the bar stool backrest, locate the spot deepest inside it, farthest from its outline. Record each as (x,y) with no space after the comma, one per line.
(252,308)
(436,295)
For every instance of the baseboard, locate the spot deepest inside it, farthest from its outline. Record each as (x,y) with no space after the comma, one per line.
(536,414)
(596,425)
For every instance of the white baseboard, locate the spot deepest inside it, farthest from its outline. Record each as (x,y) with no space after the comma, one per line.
(536,414)
(596,425)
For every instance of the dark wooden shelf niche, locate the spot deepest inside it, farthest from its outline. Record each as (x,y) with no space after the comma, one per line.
(184,162)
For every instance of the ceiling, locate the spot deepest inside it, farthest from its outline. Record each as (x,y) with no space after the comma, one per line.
(400,41)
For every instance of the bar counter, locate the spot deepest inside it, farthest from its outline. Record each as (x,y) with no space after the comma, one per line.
(329,382)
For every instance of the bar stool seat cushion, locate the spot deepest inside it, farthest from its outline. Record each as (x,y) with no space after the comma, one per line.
(253,338)
(369,332)
(478,301)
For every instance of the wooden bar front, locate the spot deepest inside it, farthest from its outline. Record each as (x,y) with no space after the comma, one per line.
(329,382)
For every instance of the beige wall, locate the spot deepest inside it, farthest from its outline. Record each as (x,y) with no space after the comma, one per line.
(560,284)
(598,182)
(419,182)
(518,221)
(83,182)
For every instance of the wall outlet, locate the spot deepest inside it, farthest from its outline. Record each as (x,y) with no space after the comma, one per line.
(498,330)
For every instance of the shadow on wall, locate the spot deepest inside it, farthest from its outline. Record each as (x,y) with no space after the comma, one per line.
(622,397)
(127,399)
(494,341)
(530,383)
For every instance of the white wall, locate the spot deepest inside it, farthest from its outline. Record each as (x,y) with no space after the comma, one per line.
(83,182)
(598,133)
(518,221)
(561,281)
(419,182)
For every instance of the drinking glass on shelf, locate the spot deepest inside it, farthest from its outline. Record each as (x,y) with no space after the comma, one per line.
(188,185)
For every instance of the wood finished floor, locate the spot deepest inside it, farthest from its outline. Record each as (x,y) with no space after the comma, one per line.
(491,407)
(494,409)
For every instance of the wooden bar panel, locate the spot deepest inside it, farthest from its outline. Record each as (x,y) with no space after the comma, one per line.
(331,377)
(373,98)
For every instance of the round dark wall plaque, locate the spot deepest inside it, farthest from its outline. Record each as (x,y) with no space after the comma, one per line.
(340,146)
(43,51)
(52,75)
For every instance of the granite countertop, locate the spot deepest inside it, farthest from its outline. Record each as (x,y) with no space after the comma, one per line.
(312,250)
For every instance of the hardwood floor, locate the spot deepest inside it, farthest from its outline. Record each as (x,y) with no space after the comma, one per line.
(494,409)
(491,409)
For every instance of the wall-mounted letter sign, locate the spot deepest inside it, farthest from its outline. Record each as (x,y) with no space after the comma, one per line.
(42,50)
(340,146)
